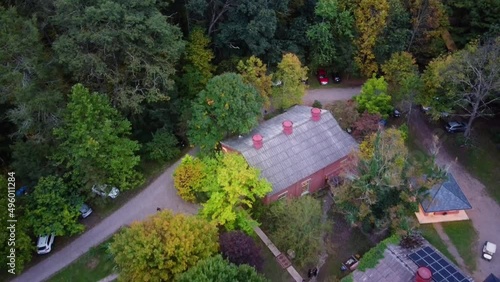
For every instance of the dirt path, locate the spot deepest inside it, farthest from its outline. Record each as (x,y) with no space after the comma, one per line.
(485,212)
(160,193)
(451,248)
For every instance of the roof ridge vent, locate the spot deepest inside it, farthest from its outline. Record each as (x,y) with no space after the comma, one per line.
(287,127)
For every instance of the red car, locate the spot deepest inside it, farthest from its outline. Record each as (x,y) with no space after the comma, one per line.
(322,77)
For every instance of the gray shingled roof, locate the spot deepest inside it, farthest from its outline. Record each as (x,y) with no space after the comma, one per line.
(446,196)
(285,159)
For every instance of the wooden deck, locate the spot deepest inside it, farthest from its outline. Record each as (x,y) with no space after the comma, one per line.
(423,219)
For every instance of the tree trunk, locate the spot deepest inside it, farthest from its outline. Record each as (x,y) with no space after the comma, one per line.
(472,117)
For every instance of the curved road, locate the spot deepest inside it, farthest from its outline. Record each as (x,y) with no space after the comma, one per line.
(160,193)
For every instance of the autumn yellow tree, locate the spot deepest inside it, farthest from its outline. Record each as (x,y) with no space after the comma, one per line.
(232,189)
(163,246)
(199,69)
(429,20)
(254,72)
(291,73)
(371,17)
(187,177)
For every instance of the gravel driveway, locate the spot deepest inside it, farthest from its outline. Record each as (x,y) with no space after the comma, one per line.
(485,212)
(328,95)
(160,193)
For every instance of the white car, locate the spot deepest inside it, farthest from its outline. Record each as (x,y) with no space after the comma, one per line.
(105,191)
(489,249)
(44,245)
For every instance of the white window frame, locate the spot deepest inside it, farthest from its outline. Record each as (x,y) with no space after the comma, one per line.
(282,196)
(305,183)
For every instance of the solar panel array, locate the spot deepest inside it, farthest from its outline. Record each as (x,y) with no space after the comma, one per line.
(442,271)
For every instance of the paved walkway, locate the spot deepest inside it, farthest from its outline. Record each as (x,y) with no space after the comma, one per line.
(160,193)
(485,212)
(281,258)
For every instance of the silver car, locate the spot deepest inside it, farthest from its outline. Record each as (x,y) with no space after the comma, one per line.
(105,191)
(85,210)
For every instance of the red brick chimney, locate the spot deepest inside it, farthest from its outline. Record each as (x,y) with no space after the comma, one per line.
(257,141)
(315,114)
(287,127)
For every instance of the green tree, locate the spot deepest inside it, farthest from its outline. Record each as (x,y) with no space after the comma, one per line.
(396,34)
(291,73)
(226,107)
(162,246)
(126,50)
(297,225)
(218,269)
(328,38)
(19,52)
(30,86)
(163,147)
(476,18)
(232,189)
(30,159)
(250,26)
(473,80)
(380,188)
(188,177)
(374,98)
(254,72)
(94,145)
(22,241)
(199,68)
(435,93)
(401,73)
(428,21)
(371,19)
(51,209)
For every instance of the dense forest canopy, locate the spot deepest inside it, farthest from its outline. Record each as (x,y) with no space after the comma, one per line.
(100,85)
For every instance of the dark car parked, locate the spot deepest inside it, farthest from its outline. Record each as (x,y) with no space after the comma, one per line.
(336,77)
(455,126)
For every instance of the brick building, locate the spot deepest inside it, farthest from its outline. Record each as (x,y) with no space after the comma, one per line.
(296,151)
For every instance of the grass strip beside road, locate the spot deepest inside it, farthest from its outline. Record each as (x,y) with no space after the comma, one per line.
(463,235)
(430,234)
(93,266)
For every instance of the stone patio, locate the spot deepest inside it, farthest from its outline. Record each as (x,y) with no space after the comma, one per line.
(390,268)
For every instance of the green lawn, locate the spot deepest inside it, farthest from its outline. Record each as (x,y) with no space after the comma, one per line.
(92,266)
(482,160)
(430,234)
(463,235)
(272,270)
(343,242)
